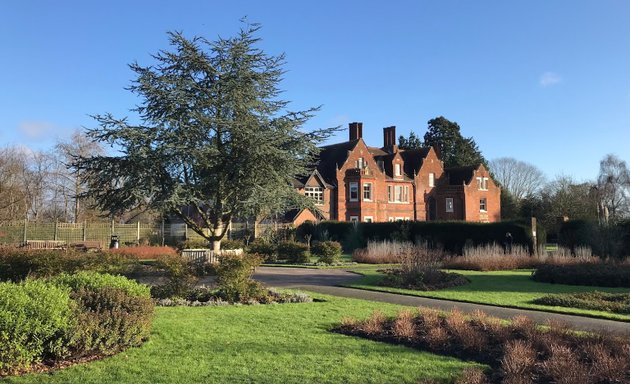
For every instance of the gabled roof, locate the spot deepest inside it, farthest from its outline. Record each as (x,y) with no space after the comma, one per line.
(460,175)
(377,151)
(331,157)
(413,159)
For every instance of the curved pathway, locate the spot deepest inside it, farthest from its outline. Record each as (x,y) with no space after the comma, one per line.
(327,281)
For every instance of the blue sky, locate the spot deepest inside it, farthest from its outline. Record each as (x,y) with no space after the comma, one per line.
(546,82)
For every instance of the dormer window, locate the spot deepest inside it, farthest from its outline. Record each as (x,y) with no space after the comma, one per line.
(431,180)
(315,193)
(360,163)
(397,171)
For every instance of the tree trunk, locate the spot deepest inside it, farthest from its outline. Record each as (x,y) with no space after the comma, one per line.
(216,246)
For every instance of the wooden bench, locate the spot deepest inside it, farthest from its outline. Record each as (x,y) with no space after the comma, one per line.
(44,244)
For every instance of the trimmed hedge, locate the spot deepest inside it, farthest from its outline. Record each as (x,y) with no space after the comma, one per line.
(599,301)
(329,252)
(293,252)
(600,275)
(611,240)
(451,236)
(17,264)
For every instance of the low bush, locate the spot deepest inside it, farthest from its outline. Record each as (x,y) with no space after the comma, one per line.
(181,274)
(17,264)
(232,244)
(144,252)
(329,252)
(94,281)
(519,352)
(110,319)
(70,316)
(193,244)
(598,301)
(267,250)
(600,275)
(420,269)
(234,274)
(35,316)
(293,252)
(427,280)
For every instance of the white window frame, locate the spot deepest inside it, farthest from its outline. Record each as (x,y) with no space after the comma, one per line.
(391,219)
(354,219)
(397,170)
(482,183)
(483,202)
(450,205)
(360,163)
(353,186)
(431,179)
(368,219)
(398,193)
(315,193)
(369,190)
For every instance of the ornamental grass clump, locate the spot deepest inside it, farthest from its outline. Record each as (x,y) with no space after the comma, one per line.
(420,270)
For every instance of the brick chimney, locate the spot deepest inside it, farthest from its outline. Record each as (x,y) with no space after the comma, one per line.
(389,138)
(356,131)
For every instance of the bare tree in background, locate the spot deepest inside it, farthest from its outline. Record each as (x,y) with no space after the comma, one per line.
(519,178)
(70,183)
(613,189)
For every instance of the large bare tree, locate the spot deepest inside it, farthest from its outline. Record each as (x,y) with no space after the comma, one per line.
(613,189)
(519,178)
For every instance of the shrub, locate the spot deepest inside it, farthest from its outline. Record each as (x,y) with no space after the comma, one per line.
(34,317)
(601,275)
(329,252)
(599,301)
(419,269)
(232,244)
(17,264)
(181,276)
(193,244)
(144,252)
(265,249)
(520,352)
(93,281)
(110,318)
(234,277)
(293,252)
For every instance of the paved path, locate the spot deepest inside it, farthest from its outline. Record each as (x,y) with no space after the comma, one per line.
(327,281)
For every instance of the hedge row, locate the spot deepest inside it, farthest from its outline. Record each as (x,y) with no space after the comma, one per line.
(452,236)
(605,240)
(69,317)
(600,275)
(16,264)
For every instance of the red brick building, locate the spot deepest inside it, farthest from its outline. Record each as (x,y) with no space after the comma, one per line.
(355,182)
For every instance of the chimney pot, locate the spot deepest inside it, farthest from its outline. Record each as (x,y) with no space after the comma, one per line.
(356,130)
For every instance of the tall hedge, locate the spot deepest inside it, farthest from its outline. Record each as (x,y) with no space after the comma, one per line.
(612,240)
(452,236)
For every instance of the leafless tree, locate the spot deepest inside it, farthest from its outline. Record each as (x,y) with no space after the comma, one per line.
(519,178)
(613,189)
(70,182)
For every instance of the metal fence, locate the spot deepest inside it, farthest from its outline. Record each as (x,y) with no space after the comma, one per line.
(16,233)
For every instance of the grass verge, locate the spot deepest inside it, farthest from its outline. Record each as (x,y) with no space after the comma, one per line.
(514,289)
(288,343)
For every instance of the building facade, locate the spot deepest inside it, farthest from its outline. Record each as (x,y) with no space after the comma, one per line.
(355,182)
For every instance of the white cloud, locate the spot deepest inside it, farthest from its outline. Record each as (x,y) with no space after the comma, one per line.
(36,130)
(548,79)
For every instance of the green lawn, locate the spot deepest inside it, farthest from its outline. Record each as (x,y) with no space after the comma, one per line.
(286,343)
(502,288)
